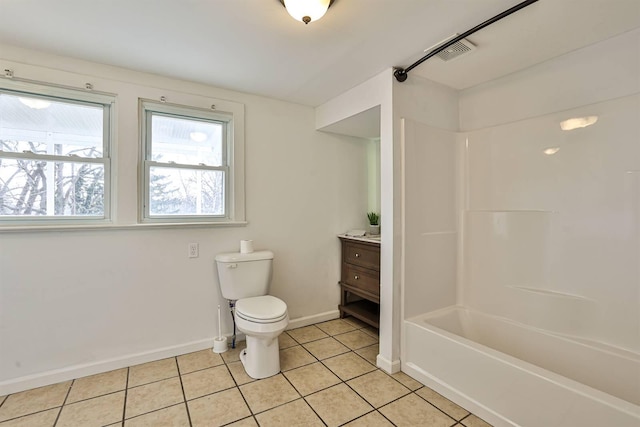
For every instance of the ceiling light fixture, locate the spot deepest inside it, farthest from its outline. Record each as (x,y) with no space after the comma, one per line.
(578,122)
(307,10)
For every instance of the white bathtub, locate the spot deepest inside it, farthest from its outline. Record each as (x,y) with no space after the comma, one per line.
(513,375)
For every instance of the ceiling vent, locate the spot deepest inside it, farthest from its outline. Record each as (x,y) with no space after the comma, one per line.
(454,51)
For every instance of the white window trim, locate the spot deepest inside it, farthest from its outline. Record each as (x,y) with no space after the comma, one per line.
(78,96)
(220,110)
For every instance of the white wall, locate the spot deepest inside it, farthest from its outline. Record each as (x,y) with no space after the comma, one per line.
(373,188)
(553,240)
(79,302)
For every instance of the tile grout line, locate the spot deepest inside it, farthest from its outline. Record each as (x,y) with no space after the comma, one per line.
(80,400)
(326,333)
(30,413)
(126,391)
(64,402)
(385,417)
(190,372)
(391,401)
(155,381)
(368,413)
(277,406)
(323,364)
(317,391)
(238,387)
(150,412)
(304,400)
(241,419)
(174,404)
(468,416)
(226,363)
(184,396)
(370,404)
(287,379)
(342,354)
(401,397)
(450,416)
(341,380)
(366,373)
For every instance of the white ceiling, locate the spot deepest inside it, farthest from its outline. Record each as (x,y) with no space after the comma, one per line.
(254,46)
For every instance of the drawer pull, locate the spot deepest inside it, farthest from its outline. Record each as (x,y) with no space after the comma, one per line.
(357,255)
(356,277)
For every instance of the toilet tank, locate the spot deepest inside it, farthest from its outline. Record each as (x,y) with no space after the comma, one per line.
(244,275)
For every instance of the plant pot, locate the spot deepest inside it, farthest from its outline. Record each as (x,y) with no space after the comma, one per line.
(374,230)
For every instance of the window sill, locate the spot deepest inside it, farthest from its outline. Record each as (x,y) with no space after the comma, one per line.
(114,227)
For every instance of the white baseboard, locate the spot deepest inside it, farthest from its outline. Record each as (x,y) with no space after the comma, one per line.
(390,367)
(78,371)
(310,320)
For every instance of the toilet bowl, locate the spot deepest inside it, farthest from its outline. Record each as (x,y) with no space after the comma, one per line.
(262,319)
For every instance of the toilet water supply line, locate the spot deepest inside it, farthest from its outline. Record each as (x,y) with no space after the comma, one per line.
(232,305)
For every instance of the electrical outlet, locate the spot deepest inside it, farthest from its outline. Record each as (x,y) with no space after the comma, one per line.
(193,250)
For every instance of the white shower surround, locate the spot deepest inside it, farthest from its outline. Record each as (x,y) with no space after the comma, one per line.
(539,247)
(553,241)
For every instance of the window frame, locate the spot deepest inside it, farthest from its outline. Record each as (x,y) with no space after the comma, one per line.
(78,97)
(231,146)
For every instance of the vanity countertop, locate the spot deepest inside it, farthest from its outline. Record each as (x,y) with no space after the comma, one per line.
(365,238)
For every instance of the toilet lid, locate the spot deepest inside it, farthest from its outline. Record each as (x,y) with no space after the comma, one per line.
(261,309)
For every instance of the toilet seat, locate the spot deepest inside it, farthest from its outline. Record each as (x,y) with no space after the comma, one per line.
(262,309)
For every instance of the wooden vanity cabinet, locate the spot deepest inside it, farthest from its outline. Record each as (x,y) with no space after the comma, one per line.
(360,280)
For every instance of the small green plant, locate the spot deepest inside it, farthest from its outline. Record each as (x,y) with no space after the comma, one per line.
(374,218)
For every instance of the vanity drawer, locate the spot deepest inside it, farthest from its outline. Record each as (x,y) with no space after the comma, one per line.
(362,255)
(361,279)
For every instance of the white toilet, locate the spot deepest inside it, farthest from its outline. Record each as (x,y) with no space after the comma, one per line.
(245,277)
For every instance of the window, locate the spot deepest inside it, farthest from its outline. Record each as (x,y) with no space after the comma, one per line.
(54,154)
(188,164)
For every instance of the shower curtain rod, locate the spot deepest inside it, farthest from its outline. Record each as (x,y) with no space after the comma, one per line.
(401,73)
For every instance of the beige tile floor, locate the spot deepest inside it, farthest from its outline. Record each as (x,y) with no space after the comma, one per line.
(328,378)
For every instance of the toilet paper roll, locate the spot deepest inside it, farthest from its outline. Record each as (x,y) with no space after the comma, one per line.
(246,246)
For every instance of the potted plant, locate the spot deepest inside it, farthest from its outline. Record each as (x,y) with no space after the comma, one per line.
(374,223)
